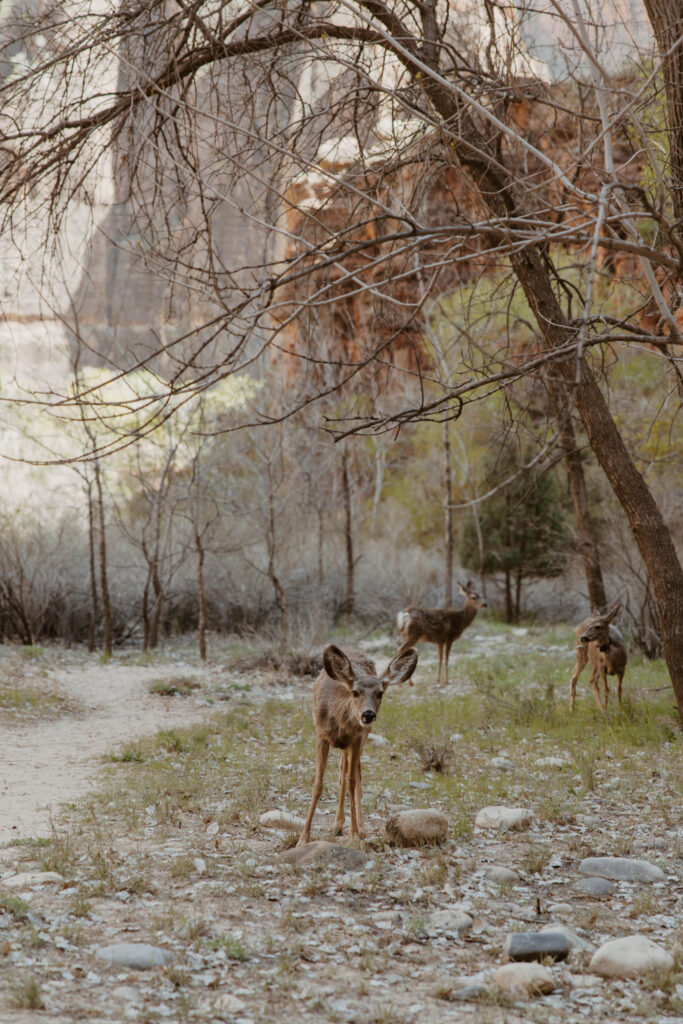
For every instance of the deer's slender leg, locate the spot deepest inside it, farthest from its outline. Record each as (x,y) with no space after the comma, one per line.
(448,645)
(619,679)
(581,659)
(321,752)
(605,684)
(354,787)
(343,772)
(595,687)
(438,671)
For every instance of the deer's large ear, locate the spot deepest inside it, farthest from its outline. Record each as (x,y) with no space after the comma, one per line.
(462,588)
(611,614)
(400,668)
(337,665)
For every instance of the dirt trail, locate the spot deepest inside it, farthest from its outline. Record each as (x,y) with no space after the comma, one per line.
(45,763)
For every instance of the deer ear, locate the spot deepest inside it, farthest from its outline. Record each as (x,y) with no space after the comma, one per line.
(400,668)
(595,614)
(337,665)
(462,588)
(611,614)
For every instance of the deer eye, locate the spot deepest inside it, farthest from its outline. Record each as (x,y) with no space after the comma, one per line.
(356,693)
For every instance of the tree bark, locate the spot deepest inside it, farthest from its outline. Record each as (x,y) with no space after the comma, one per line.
(104,583)
(348,537)
(447,518)
(94,597)
(666,18)
(201,599)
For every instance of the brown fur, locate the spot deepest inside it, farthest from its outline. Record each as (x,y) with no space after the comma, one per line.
(602,644)
(440,626)
(346,698)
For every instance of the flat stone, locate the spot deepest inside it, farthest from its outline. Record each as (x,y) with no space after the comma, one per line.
(378,740)
(503,818)
(575,941)
(418,828)
(561,908)
(521,980)
(137,955)
(227,1005)
(596,887)
(621,869)
(126,993)
(449,920)
(283,820)
(470,993)
(551,762)
(503,764)
(31,879)
(321,852)
(500,875)
(630,957)
(537,945)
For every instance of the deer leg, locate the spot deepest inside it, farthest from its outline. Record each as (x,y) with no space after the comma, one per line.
(619,679)
(322,750)
(354,788)
(448,654)
(359,800)
(407,642)
(581,659)
(343,772)
(438,671)
(605,684)
(596,689)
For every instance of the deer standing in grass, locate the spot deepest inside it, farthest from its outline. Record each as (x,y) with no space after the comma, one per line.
(346,698)
(440,626)
(601,643)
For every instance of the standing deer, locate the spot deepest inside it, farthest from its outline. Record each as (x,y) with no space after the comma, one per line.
(346,698)
(440,626)
(602,644)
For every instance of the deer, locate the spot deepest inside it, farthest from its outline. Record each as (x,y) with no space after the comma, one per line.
(601,643)
(346,699)
(440,626)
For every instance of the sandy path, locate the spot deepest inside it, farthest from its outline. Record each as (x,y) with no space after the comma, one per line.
(43,764)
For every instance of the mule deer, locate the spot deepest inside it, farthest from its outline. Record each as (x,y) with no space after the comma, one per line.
(346,698)
(440,626)
(602,644)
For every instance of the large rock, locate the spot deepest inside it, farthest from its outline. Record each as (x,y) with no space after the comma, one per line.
(418,828)
(621,869)
(227,1005)
(521,980)
(31,879)
(575,941)
(595,887)
(283,820)
(503,818)
(500,875)
(321,852)
(630,957)
(453,921)
(137,955)
(537,945)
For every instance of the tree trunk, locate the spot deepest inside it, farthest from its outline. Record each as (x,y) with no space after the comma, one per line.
(447,518)
(104,584)
(508,596)
(666,18)
(321,547)
(201,599)
(155,620)
(577,485)
(94,597)
(348,537)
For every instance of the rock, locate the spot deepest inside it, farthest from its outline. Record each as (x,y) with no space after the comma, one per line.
(503,818)
(379,741)
(212,828)
(227,1005)
(621,869)
(470,993)
(575,941)
(524,979)
(138,955)
(630,957)
(561,908)
(417,828)
(450,921)
(502,764)
(282,820)
(320,852)
(31,879)
(501,875)
(200,865)
(551,762)
(596,887)
(537,945)
(127,993)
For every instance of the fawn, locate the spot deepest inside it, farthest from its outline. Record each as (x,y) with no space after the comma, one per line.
(346,698)
(440,626)
(602,644)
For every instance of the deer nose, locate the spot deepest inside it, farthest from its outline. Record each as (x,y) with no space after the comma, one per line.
(368,716)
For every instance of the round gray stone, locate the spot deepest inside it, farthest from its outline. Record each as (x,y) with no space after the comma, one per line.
(575,941)
(420,827)
(500,875)
(138,955)
(621,869)
(595,887)
(321,852)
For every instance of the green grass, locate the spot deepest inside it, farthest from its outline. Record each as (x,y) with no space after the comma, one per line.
(15,906)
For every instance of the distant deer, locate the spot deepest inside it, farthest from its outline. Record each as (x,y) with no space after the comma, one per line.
(346,698)
(602,644)
(440,626)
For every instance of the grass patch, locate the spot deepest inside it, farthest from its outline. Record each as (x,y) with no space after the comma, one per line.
(26,994)
(175,686)
(15,906)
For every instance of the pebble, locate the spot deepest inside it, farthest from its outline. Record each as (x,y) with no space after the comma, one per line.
(212,828)
(137,955)
(503,818)
(282,820)
(379,741)
(227,1005)
(575,941)
(450,921)
(127,993)
(31,879)
(524,979)
(551,762)
(503,764)
(630,957)
(537,945)
(622,869)
(469,993)
(501,875)
(320,852)
(596,887)
(417,828)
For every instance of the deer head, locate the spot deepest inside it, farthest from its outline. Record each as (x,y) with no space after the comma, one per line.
(366,690)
